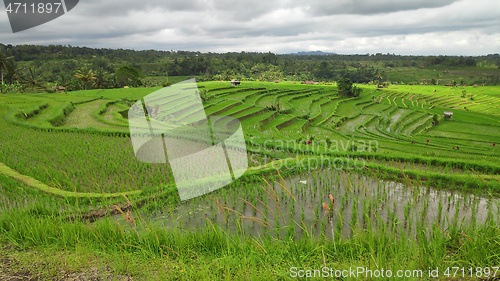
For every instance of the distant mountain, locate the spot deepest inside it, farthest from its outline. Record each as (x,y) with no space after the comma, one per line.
(311,53)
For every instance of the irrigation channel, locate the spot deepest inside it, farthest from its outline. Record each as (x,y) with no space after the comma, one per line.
(294,207)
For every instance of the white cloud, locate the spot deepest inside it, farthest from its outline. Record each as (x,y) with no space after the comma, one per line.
(466,27)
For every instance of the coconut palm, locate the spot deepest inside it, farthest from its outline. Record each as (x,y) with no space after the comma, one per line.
(437,78)
(12,74)
(5,65)
(380,78)
(113,81)
(100,78)
(86,75)
(34,78)
(63,79)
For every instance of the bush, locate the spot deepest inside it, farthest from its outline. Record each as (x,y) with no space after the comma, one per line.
(435,118)
(345,87)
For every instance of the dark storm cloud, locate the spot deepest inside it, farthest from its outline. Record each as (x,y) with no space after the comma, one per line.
(354,26)
(367,7)
(265,29)
(98,8)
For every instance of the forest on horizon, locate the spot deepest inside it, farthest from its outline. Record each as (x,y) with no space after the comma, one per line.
(76,68)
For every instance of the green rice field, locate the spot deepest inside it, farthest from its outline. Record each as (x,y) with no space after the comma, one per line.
(382,181)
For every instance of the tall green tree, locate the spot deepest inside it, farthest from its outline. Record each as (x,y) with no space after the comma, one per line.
(86,75)
(113,81)
(63,79)
(437,78)
(130,75)
(100,78)
(5,65)
(34,78)
(345,87)
(12,73)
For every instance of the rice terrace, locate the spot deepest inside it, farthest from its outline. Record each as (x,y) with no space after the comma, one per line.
(400,178)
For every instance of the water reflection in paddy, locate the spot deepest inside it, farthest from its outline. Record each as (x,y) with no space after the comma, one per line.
(293,207)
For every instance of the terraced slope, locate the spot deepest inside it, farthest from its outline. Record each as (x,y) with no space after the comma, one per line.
(395,118)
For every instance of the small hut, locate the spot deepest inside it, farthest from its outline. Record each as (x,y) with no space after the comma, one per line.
(235,82)
(309,82)
(448,114)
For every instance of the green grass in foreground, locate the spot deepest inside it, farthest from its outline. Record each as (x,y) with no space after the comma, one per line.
(111,248)
(214,255)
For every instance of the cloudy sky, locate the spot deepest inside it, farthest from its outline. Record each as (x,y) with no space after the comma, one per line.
(420,27)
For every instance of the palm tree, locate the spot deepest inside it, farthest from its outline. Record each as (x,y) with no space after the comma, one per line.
(380,77)
(113,80)
(100,77)
(86,75)
(5,64)
(34,78)
(12,73)
(63,79)
(437,78)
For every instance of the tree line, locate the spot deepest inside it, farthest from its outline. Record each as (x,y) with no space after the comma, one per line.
(15,78)
(75,68)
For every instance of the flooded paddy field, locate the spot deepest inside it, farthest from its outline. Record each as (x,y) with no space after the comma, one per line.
(326,204)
